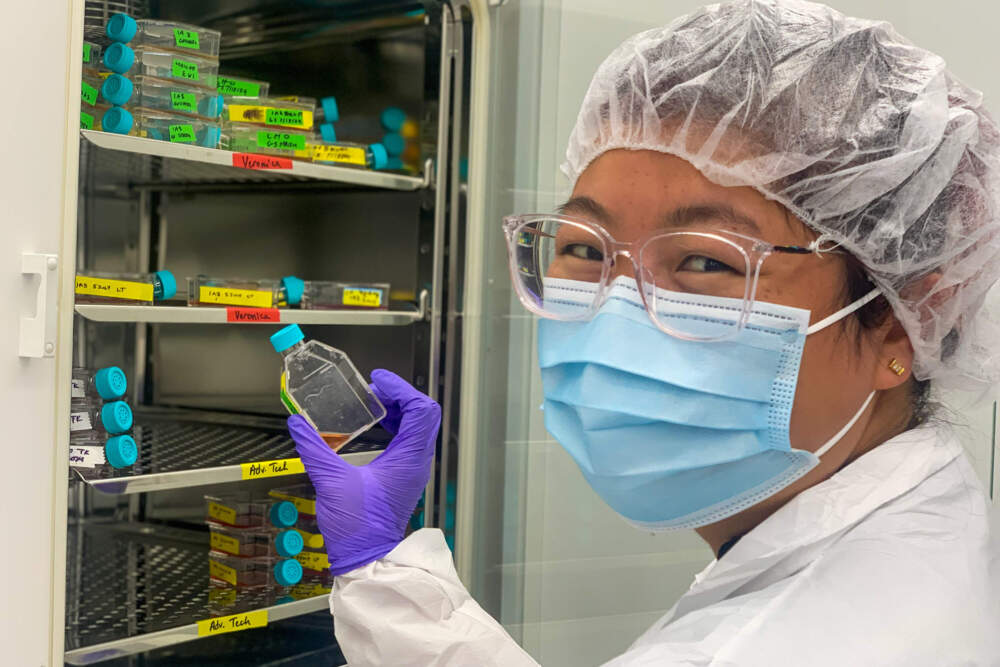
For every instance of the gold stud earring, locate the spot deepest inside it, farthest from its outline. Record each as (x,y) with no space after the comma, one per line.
(896,367)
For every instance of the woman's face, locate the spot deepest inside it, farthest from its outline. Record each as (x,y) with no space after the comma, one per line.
(636,192)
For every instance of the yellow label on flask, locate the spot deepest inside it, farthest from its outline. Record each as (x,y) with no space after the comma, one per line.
(341,154)
(114,289)
(225,573)
(313,560)
(221,513)
(303,505)
(272,468)
(228,296)
(234,623)
(221,542)
(311,540)
(255,113)
(363,297)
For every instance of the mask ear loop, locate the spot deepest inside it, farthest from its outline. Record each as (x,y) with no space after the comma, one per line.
(847,427)
(844,312)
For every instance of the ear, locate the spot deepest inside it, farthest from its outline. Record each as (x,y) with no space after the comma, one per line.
(894,353)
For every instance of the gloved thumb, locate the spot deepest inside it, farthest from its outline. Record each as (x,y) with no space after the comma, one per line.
(319,460)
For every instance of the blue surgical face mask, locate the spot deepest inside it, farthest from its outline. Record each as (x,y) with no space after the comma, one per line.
(673,433)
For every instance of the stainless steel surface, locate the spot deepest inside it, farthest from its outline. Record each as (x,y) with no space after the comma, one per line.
(134,588)
(195,164)
(184,448)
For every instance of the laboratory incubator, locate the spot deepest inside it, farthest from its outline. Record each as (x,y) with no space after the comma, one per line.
(209,212)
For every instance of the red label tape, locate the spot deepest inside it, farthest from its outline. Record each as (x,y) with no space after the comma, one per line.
(254,161)
(234,314)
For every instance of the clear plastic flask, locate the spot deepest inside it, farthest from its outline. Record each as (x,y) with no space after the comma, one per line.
(161,95)
(162,126)
(356,156)
(181,37)
(99,452)
(189,69)
(320,383)
(140,288)
(103,384)
(89,416)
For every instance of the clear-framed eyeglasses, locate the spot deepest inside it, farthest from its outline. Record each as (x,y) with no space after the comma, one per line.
(674,270)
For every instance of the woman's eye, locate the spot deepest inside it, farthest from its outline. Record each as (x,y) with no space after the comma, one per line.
(702,264)
(583,251)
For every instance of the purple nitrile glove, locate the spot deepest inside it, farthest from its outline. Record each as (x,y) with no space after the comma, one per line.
(362,511)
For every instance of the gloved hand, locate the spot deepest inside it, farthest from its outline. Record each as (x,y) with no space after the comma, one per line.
(362,511)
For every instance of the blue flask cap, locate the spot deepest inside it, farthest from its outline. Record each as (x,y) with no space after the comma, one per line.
(116,417)
(116,89)
(121,451)
(294,288)
(110,383)
(168,285)
(330,110)
(121,28)
(288,543)
(117,120)
(283,514)
(119,58)
(287,337)
(380,158)
(287,572)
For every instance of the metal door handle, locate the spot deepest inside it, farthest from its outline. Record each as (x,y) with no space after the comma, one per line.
(37,336)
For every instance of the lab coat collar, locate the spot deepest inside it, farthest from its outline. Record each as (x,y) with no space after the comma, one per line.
(802,528)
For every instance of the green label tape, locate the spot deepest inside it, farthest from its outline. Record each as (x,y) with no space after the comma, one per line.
(182,134)
(182,101)
(182,69)
(89,93)
(86,52)
(282,140)
(237,88)
(86,121)
(186,39)
(291,117)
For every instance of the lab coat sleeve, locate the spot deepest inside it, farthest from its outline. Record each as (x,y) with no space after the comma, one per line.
(409,608)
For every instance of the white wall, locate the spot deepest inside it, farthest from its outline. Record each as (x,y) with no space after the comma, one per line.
(580,584)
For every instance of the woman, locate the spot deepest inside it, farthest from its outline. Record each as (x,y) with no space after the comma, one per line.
(782,227)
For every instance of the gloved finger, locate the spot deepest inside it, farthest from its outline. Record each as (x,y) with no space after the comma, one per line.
(392,412)
(413,446)
(417,412)
(316,455)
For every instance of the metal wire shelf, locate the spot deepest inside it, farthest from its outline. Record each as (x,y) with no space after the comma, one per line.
(132,588)
(186,448)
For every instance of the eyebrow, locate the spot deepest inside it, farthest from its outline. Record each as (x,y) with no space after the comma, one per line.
(679,217)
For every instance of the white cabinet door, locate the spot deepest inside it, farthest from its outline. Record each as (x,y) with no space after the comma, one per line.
(39,127)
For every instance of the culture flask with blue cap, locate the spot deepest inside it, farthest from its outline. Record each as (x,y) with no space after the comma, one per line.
(98,434)
(320,383)
(170,35)
(138,288)
(106,384)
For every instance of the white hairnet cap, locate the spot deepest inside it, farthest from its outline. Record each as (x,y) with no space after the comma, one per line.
(862,135)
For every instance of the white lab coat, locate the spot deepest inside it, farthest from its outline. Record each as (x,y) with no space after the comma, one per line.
(885,563)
